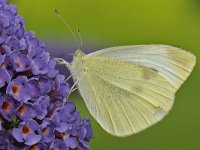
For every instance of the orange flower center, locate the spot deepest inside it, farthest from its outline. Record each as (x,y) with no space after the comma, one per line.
(21,110)
(6,106)
(26,129)
(18,64)
(33,147)
(44,131)
(15,89)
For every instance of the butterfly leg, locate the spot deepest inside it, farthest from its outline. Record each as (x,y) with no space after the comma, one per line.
(62,61)
(68,78)
(73,88)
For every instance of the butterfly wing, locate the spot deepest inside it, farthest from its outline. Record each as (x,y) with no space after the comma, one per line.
(171,62)
(124,98)
(128,89)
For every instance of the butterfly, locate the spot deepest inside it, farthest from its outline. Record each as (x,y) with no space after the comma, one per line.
(129,88)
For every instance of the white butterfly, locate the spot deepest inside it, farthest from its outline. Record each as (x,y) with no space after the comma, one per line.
(129,88)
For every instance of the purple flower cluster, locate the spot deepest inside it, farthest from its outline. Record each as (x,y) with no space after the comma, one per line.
(33,112)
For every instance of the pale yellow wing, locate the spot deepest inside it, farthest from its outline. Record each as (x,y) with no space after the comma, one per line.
(175,64)
(130,88)
(124,98)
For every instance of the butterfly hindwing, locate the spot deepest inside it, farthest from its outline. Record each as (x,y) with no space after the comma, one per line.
(125,98)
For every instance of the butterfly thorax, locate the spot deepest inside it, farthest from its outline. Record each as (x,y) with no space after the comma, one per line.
(77,64)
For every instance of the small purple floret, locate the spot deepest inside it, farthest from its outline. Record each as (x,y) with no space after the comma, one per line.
(26,111)
(58,145)
(4,77)
(41,106)
(38,146)
(47,130)
(62,117)
(7,107)
(19,61)
(26,132)
(18,89)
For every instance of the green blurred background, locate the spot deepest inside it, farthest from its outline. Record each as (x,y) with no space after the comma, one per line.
(106,23)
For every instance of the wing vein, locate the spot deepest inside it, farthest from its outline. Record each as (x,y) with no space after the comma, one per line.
(114,84)
(158,85)
(164,69)
(165,60)
(121,106)
(106,110)
(99,108)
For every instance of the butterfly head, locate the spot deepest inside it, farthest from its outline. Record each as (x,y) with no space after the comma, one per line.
(78,54)
(77,64)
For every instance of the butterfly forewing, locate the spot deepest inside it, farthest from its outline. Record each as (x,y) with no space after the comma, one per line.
(173,63)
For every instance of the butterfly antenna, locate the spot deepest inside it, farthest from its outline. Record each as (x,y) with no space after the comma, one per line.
(80,38)
(67,26)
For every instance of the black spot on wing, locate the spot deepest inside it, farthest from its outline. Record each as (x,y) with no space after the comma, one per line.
(155,70)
